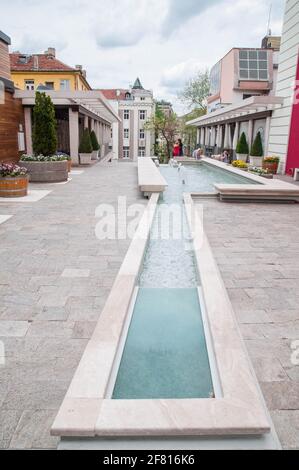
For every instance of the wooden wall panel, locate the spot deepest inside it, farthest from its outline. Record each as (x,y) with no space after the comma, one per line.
(11,116)
(4,61)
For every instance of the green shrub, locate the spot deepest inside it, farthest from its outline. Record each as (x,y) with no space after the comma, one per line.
(257,146)
(44,138)
(85,144)
(94,141)
(242,145)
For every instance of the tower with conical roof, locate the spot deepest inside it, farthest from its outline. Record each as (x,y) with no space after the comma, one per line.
(137,85)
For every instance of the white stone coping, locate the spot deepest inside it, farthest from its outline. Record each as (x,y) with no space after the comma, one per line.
(269,188)
(86,410)
(150,179)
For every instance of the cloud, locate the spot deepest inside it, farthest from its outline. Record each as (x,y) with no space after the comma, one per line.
(176,76)
(180,12)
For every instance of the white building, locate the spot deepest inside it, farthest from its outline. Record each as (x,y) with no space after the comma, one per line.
(283,138)
(135,106)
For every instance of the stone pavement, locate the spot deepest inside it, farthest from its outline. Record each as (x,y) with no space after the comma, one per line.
(55,277)
(257,250)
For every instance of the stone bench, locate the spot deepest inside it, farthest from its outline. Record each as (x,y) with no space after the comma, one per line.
(150,179)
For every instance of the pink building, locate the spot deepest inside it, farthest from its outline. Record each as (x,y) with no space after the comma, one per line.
(244,72)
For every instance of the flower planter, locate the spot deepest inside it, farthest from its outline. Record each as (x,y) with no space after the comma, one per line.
(85,158)
(16,186)
(256,161)
(242,156)
(95,155)
(47,172)
(271,167)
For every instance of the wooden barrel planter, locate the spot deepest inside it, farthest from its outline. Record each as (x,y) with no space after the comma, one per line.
(271,167)
(16,186)
(47,172)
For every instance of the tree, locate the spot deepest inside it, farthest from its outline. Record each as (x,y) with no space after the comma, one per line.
(189,133)
(257,146)
(94,141)
(242,145)
(85,143)
(166,127)
(196,90)
(44,137)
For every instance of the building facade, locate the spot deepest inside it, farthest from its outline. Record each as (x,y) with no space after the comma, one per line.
(242,98)
(135,106)
(44,71)
(242,73)
(284,130)
(12,138)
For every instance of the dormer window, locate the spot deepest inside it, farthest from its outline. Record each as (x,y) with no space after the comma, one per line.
(128,96)
(23,59)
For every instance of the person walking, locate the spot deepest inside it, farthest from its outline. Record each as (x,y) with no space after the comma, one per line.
(176,149)
(181,154)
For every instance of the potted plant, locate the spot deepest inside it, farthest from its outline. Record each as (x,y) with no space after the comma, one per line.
(256,152)
(271,164)
(261,172)
(240,164)
(242,149)
(85,148)
(95,146)
(46,169)
(13,180)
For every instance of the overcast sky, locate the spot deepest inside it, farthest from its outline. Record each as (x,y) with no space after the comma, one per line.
(164,42)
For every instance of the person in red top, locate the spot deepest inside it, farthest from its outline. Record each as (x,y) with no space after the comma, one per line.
(176,149)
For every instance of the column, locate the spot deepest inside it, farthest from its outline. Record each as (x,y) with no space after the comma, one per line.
(85,122)
(267,135)
(198,136)
(74,135)
(92,122)
(226,136)
(207,140)
(219,138)
(28,130)
(236,135)
(250,131)
(213,136)
(202,136)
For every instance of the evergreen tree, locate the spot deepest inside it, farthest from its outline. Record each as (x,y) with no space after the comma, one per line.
(85,144)
(94,141)
(242,146)
(44,137)
(257,146)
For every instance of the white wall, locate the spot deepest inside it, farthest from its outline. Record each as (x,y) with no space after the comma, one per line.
(281,118)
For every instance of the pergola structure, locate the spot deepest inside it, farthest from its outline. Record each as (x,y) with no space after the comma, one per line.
(85,109)
(221,129)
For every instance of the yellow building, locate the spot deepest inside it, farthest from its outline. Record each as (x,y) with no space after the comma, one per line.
(44,71)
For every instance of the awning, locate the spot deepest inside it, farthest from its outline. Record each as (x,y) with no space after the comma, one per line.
(92,101)
(242,110)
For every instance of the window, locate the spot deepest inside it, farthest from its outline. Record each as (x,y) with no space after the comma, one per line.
(142,114)
(126,114)
(64,84)
(126,152)
(50,85)
(29,85)
(142,98)
(253,65)
(128,96)
(141,134)
(141,151)
(126,133)
(215,77)
(111,134)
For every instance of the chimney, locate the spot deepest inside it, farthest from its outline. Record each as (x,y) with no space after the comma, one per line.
(51,52)
(78,67)
(35,62)
(84,73)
